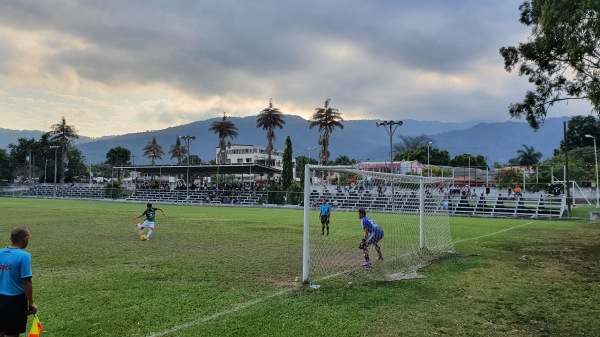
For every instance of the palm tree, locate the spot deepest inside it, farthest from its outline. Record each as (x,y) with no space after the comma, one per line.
(153,150)
(63,132)
(528,156)
(178,151)
(268,120)
(327,119)
(224,129)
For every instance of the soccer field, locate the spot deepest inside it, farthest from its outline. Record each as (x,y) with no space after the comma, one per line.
(233,271)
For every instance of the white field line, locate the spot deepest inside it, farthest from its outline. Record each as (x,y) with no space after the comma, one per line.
(498,232)
(285,291)
(219,314)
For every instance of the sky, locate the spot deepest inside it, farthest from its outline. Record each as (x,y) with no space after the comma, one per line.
(113,67)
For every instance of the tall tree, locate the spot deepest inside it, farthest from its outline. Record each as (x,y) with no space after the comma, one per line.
(62,133)
(327,119)
(287,174)
(178,151)
(224,129)
(561,57)
(5,171)
(269,119)
(411,143)
(118,156)
(577,128)
(528,156)
(153,150)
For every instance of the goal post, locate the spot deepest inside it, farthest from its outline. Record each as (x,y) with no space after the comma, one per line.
(409,208)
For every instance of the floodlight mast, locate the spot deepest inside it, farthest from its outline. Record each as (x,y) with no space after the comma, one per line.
(393,125)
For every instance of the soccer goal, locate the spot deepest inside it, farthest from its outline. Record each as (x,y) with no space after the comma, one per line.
(411,210)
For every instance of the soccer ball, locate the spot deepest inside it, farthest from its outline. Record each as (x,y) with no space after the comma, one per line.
(143,238)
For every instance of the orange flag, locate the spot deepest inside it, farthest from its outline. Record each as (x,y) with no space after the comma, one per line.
(36,327)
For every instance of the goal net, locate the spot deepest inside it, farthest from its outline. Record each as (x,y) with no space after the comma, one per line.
(410,209)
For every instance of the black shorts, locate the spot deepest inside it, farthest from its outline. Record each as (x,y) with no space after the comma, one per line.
(13,320)
(325,219)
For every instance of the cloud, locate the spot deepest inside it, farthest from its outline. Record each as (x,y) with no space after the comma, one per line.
(126,66)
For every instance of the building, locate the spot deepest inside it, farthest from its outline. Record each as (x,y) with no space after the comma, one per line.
(254,154)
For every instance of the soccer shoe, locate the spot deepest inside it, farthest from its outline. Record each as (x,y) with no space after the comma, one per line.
(366,263)
(143,238)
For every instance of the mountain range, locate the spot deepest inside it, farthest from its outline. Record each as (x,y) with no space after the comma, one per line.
(359,139)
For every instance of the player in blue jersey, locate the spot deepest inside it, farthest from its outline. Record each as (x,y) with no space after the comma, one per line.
(16,289)
(373,233)
(324,215)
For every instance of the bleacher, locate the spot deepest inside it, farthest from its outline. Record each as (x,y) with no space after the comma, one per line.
(408,202)
(516,207)
(404,201)
(68,192)
(199,197)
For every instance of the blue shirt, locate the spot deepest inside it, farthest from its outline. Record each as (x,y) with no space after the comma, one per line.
(325,209)
(370,225)
(15,264)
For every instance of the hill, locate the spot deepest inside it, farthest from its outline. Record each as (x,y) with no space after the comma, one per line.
(359,139)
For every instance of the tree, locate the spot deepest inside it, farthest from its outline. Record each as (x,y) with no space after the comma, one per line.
(411,143)
(5,172)
(118,156)
(269,119)
(153,150)
(528,156)
(466,160)
(287,174)
(178,151)
(224,129)
(424,155)
(63,132)
(327,119)
(344,160)
(561,57)
(577,128)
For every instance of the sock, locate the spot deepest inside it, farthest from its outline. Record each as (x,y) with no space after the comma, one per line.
(150,230)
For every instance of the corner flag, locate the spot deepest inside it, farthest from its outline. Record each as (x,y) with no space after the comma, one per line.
(36,327)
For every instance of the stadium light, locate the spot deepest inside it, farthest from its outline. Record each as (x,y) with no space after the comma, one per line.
(428,167)
(469,173)
(596,157)
(55,147)
(309,149)
(393,125)
(188,142)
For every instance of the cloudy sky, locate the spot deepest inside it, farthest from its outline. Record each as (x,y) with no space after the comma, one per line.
(122,66)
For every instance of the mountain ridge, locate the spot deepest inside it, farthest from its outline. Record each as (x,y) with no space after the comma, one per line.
(359,139)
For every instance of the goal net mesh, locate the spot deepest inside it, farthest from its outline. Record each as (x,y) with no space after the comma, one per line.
(410,209)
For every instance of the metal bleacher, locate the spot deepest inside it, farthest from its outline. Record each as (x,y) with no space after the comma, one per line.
(408,202)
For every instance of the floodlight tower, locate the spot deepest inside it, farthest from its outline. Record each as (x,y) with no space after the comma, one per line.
(393,125)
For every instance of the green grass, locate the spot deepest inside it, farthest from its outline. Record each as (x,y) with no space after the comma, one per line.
(221,271)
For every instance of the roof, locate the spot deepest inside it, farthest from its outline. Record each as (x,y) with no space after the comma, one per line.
(203,170)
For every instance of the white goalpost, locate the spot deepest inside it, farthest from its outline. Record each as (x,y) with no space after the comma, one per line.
(410,209)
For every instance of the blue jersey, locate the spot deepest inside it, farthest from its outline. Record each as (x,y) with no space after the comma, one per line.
(15,264)
(325,209)
(370,225)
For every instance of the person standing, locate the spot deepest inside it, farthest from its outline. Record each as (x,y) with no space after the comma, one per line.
(324,215)
(373,234)
(150,214)
(16,288)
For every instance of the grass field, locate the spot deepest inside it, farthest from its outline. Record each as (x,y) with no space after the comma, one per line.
(223,271)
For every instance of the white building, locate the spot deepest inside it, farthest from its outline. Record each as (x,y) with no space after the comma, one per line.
(254,154)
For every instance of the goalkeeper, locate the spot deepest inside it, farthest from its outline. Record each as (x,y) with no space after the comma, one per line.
(324,215)
(373,233)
